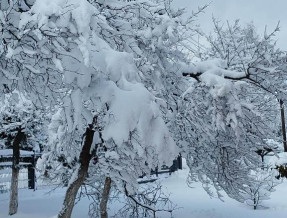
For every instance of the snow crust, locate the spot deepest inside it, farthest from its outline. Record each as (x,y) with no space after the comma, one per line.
(192,202)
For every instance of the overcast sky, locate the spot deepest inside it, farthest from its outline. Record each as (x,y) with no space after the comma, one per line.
(261,12)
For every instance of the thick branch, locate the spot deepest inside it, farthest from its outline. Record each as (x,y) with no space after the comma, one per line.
(198,74)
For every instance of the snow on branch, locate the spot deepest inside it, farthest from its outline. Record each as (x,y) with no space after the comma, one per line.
(217,67)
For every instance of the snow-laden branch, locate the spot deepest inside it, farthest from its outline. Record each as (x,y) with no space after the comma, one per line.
(206,70)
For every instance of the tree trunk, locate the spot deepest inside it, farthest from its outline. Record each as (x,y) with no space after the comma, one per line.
(105,198)
(283,125)
(255,204)
(73,188)
(13,204)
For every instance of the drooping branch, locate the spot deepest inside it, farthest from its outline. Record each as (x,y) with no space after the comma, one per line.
(147,207)
(248,77)
(197,75)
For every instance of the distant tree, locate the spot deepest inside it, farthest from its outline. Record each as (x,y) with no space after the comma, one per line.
(21,127)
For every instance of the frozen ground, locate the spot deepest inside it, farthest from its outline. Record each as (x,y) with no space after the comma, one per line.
(194,203)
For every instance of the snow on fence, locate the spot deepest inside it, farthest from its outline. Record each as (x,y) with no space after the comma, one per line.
(27,174)
(5,179)
(28,178)
(23,181)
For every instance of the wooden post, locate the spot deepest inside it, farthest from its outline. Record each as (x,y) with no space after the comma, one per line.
(179,159)
(31,177)
(31,173)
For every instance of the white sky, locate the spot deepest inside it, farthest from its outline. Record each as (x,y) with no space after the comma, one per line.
(261,12)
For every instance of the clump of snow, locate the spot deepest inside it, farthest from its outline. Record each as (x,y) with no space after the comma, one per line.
(117,70)
(215,67)
(78,10)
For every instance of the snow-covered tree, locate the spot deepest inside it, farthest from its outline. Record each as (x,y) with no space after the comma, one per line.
(107,106)
(16,111)
(262,62)
(115,76)
(21,127)
(261,188)
(234,116)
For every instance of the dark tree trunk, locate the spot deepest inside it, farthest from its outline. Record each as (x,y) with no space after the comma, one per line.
(105,198)
(283,125)
(13,204)
(71,193)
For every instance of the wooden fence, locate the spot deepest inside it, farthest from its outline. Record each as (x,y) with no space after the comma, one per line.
(27,169)
(27,176)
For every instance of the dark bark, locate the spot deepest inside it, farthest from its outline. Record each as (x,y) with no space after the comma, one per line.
(13,204)
(31,173)
(255,204)
(196,76)
(71,193)
(283,125)
(105,198)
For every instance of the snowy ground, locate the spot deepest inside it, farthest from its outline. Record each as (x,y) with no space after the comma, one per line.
(194,203)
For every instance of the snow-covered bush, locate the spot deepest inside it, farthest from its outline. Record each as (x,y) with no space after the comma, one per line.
(262,186)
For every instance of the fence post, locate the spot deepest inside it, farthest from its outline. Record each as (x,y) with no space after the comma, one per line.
(179,159)
(31,173)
